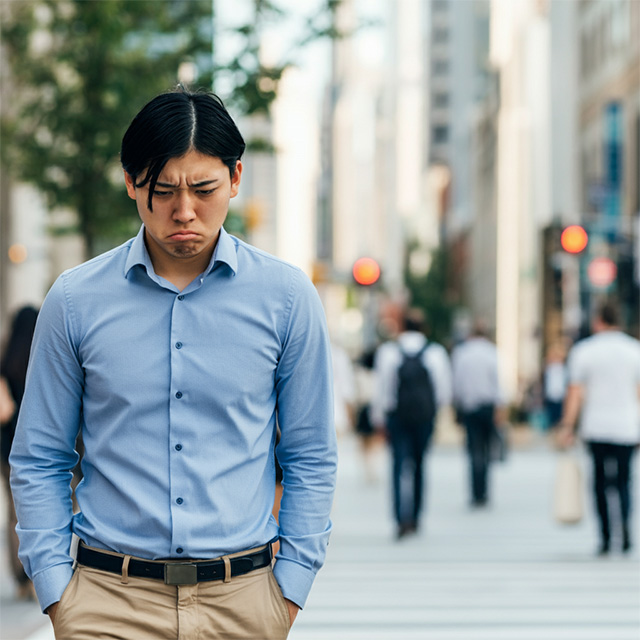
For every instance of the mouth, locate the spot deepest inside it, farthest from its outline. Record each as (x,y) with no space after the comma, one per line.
(181,236)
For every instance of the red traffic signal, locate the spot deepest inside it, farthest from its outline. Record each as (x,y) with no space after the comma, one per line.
(574,239)
(366,271)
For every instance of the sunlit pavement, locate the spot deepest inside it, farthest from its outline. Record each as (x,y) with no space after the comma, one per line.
(508,572)
(505,573)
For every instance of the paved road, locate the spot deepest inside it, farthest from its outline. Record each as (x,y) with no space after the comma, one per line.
(504,573)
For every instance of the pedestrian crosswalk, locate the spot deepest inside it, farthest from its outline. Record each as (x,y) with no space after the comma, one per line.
(504,573)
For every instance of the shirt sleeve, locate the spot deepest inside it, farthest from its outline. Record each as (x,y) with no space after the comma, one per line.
(385,382)
(455,377)
(574,368)
(307,450)
(43,452)
(439,364)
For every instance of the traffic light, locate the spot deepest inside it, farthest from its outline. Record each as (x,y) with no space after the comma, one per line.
(574,239)
(366,271)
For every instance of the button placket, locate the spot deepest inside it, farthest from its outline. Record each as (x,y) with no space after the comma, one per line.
(178,417)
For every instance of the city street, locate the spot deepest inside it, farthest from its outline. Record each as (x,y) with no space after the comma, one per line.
(505,573)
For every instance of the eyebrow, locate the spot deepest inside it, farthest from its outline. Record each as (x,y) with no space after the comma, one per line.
(166,185)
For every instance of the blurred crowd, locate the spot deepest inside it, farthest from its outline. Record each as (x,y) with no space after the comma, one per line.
(392,395)
(591,389)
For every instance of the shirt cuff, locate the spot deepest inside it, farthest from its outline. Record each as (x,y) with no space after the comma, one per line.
(294,581)
(51,583)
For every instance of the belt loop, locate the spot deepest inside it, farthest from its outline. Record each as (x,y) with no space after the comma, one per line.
(227,569)
(125,570)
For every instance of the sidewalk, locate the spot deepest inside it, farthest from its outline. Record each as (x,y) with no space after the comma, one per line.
(505,573)
(508,572)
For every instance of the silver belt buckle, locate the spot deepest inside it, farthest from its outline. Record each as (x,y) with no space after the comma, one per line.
(180,573)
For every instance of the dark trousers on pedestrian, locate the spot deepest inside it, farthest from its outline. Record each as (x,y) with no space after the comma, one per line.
(612,468)
(408,445)
(480,428)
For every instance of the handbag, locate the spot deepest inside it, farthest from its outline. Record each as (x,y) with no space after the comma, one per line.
(568,505)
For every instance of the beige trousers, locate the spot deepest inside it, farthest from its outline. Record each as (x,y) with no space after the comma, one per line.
(99,605)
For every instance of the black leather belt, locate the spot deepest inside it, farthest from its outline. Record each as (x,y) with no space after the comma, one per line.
(176,573)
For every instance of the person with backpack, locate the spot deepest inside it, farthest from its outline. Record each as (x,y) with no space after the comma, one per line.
(412,380)
(479,405)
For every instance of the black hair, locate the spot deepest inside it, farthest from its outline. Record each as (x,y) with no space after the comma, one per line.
(173,124)
(15,358)
(608,313)
(413,320)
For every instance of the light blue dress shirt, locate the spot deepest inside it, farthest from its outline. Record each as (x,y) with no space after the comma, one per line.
(177,394)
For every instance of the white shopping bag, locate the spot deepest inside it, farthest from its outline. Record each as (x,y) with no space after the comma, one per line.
(568,504)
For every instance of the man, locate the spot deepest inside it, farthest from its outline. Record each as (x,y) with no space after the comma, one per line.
(478,400)
(604,392)
(176,354)
(409,428)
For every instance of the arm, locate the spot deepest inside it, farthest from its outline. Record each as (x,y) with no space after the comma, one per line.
(443,377)
(7,405)
(43,452)
(384,384)
(307,450)
(571,411)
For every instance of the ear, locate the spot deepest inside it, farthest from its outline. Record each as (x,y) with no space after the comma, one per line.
(131,185)
(235,179)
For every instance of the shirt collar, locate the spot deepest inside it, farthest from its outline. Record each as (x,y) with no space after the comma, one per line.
(224,252)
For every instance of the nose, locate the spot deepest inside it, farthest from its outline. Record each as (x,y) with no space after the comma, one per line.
(183,210)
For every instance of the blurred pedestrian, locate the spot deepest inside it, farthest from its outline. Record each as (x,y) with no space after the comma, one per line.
(344,389)
(13,372)
(479,404)
(178,353)
(554,384)
(369,437)
(604,398)
(413,380)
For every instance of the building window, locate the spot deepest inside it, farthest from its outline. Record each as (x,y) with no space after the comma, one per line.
(440,35)
(440,67)
(585,56)
(441,100)
(440,134)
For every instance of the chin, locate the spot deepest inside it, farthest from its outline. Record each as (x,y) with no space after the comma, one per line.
(185,253)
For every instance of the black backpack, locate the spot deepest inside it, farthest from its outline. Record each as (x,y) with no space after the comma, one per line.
(416,397)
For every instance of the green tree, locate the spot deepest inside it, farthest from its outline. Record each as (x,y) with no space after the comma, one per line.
(79,69)
(78,72)
(430,292)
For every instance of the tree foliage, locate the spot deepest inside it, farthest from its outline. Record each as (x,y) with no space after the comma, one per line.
(80,69)
(430,292)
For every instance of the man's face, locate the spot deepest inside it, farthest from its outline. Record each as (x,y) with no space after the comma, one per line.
(190,204)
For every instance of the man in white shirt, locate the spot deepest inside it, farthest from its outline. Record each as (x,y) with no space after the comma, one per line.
(479,403)
(604,391)
(409,441)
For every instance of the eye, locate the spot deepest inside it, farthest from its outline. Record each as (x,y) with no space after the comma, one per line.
(160,194)
(205,192)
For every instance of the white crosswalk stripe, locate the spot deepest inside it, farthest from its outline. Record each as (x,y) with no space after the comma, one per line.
(505,573)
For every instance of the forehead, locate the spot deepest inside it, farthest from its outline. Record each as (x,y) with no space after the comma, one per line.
(193,165)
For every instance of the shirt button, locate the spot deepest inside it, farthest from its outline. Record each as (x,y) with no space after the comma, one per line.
(179,550)
(178,345)
(178,447)
(179,394)
(179,500)
(180,297)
